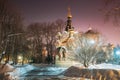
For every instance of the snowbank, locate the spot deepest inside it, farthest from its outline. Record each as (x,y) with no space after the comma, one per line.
(23,69)
(6,68)
(105,66)
(98,72)
(20,71)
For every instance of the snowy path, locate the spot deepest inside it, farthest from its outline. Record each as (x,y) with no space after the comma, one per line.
(37,71)
(41,72)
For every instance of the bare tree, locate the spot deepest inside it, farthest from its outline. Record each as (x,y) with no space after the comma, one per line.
(44,34)
(85,47)
(35,35)
(51,30)
(10,23)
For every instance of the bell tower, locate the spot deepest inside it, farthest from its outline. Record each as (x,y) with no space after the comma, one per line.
(69,21)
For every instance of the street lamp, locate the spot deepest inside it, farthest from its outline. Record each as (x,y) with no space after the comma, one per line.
(20,58)
(92,41)
(118,52)
(117,55)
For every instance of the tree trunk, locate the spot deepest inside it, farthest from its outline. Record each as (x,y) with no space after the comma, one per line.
(86,63)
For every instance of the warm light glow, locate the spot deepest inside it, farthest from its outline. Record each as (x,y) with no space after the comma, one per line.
(20,57)
(4,59)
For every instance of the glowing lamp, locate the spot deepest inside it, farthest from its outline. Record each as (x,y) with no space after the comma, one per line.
(118,52)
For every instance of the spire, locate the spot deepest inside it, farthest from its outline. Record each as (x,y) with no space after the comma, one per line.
(69,21)
(69,13)
(89,28)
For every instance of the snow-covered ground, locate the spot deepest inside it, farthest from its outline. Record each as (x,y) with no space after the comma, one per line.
(105,66)
(102,71)
(21,70)
(39,70)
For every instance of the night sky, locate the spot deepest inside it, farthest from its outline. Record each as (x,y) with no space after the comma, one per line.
(84,12)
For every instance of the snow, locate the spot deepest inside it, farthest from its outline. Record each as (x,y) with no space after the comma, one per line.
(51,71)
(6,68)
(105,66)
(21,70)
(104,71)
